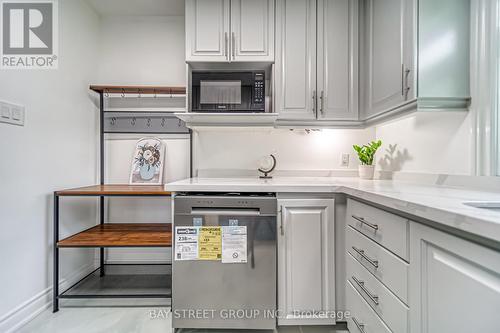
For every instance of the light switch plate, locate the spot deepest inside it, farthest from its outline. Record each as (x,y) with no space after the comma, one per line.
(12,113)
(5,112)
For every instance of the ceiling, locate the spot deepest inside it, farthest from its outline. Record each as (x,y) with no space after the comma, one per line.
(138,7)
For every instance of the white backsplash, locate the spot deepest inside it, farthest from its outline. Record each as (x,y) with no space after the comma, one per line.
(238,151)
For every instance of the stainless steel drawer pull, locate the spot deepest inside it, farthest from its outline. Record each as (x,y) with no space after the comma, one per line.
(371,261)
(361,284)
(361,327)
(363,221)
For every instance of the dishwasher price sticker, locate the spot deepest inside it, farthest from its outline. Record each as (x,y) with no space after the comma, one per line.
(186,243)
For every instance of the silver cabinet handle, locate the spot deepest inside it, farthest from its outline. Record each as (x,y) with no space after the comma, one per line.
(314,101)
(233,44)
(321,98)
(226,46)
(402,79)
(282,229)
(371,261)
(361,327)
(361,285)
(407,87)
(363,221)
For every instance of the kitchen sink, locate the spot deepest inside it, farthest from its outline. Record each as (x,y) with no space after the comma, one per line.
(483,204)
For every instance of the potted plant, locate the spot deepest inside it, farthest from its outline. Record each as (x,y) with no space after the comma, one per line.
(366,154)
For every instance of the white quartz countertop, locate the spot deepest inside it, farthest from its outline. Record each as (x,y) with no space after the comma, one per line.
(436,203)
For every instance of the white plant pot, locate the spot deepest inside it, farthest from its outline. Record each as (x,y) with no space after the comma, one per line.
(366,171)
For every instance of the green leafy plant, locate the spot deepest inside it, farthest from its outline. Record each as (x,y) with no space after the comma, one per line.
(366,153)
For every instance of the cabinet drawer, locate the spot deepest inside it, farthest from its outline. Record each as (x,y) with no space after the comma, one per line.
(389,230)
(363,319)
(382,300)
(388,268)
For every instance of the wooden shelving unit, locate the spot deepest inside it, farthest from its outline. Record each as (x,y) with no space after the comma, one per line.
(122,235)
(112,235)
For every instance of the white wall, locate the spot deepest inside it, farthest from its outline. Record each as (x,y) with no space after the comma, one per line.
(427,142)
(55,149)
(145,50)
(241,149)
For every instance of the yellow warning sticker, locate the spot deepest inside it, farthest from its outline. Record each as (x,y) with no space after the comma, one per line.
(210,243)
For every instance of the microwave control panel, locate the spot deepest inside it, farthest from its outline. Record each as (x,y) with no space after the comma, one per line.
(258,89)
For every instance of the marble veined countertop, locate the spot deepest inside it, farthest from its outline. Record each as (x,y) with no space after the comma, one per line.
(440,204)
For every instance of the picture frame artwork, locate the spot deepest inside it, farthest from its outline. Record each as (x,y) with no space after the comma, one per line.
(148,162)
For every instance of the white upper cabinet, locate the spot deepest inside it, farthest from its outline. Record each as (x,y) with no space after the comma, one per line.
(316,60)
(230,30)
(306,262)
(337,74)
(415,56)
(207,30)
(454,284)
(389,55)
(252,30)
(296,59)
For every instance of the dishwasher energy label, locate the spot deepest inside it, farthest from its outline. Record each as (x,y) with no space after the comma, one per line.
(210,243)
(186,243)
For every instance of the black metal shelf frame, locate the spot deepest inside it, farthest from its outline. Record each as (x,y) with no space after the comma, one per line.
(56,295)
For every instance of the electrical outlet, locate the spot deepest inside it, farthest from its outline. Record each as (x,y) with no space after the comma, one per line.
(344,160)
(12,114)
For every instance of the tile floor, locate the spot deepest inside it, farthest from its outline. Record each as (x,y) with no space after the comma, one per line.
(116,319)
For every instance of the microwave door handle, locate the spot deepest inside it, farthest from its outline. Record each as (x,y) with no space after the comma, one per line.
(225,212)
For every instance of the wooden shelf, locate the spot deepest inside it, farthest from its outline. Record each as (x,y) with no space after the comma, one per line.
(122,235)
(138,89)
(116,190)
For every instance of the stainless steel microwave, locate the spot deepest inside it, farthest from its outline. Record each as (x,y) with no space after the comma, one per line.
(228,91)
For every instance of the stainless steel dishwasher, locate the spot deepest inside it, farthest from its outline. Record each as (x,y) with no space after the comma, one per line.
(214,294)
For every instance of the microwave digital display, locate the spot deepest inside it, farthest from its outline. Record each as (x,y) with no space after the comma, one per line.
(225,91)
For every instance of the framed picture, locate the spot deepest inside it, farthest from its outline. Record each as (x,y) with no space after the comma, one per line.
(148,162)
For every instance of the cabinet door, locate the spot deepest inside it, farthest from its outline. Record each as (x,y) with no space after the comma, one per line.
(296,59)
(338,59)
(454,284)
(207,30)
(252,30)
(306,276)
(388,50)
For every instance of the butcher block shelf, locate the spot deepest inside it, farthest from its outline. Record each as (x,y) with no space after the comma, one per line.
(116,190)
(122,235)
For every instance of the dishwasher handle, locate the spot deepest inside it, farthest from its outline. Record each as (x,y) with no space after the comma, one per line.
(226,212)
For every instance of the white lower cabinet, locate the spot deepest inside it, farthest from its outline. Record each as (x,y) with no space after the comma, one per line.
(306,262)
(454,284)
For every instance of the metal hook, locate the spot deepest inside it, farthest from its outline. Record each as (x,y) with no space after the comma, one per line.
(113,121)
(123,92)
(149,122)
(162,122)
(179,123)
(133,121)
(106,93)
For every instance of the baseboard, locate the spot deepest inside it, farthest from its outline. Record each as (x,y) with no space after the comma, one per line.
(31,308)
